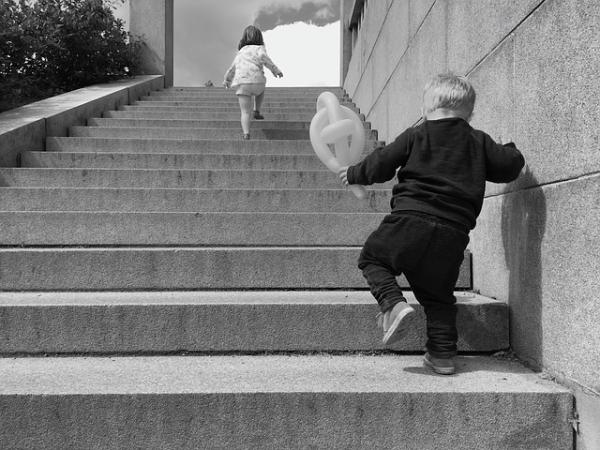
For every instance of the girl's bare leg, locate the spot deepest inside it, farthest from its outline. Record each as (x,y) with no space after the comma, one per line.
(245,109)
(258,99)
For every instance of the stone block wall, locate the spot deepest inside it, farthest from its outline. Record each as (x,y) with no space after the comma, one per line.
(535,65)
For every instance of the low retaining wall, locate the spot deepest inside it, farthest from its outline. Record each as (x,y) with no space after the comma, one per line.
(27,127)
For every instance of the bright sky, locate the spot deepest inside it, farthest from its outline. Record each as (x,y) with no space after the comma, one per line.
(207,33)
(306,54)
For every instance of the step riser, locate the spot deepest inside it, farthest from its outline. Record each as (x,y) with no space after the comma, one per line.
(194,133)
(233,101)
(188,229)
(114,328)
(283,93)
(169,161)
(226,107)
(276,420)
(228,118)
(231,114)
(184,133)
(168,178)
(186,200)
(120,119)
(125,145)
(185,268)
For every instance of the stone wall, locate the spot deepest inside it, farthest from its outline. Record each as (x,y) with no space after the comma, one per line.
(151,22)
(26,128)
(535,66)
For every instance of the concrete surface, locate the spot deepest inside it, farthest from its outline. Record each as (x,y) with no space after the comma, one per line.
(190,200)
(533,68)
(119,119)
(467,45)
(170,161)
(26,128)
(151,22)
(544,106)
(186,228)
(200,113)
(545,263)
(219,120)
(264,179)
(165,322)
(194,133)
(278,402)
(587,405)
(293,91)
(274,102)
(139,268)
(185,133)
(231,146)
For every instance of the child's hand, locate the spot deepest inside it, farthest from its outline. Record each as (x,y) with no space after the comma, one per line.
(279,74)
(227,84)
(343,174)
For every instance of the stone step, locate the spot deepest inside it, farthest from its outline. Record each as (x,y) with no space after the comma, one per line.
(212,321)
(227,106)
(219,179)
(214,120)
(210,102)
(185,133)
(225,113)
(156,145)
(303,96)
(65,228)
(188,161)
(278,401)
(185,268)
(194,133)
(190,200)
(291,91)
(121,119)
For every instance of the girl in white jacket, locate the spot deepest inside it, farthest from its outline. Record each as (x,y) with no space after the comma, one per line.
(246,74)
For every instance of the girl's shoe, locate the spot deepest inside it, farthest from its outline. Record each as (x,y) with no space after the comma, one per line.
(443,366)
(246,136)
(393,322)
(258,115)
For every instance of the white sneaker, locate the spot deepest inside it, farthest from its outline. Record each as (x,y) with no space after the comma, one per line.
(393,322)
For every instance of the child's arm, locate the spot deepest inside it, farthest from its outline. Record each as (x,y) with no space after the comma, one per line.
(503,162)
(229,75)
(381,165)
(266,61)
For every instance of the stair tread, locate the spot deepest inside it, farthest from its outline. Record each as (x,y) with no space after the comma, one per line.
(173,298)
(263,374)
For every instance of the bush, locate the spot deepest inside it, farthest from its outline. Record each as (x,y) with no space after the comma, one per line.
(52,46)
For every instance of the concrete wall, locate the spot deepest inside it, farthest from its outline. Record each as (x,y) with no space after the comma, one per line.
(27,127)
(151,21)
(535,66)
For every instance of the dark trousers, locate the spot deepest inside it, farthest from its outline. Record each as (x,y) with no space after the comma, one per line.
(429,251)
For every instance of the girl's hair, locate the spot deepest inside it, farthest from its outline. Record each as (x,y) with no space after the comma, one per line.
(449,91)
(251,36)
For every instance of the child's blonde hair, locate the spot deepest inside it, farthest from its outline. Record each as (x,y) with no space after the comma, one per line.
(449,91)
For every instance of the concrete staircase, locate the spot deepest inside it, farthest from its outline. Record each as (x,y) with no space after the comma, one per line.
(166,284)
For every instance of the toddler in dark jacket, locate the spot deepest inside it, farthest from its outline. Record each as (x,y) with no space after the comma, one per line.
(442,166)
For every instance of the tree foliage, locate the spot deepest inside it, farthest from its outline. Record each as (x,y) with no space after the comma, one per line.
(53,46)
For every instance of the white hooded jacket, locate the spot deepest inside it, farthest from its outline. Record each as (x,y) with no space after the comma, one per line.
(247,66)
